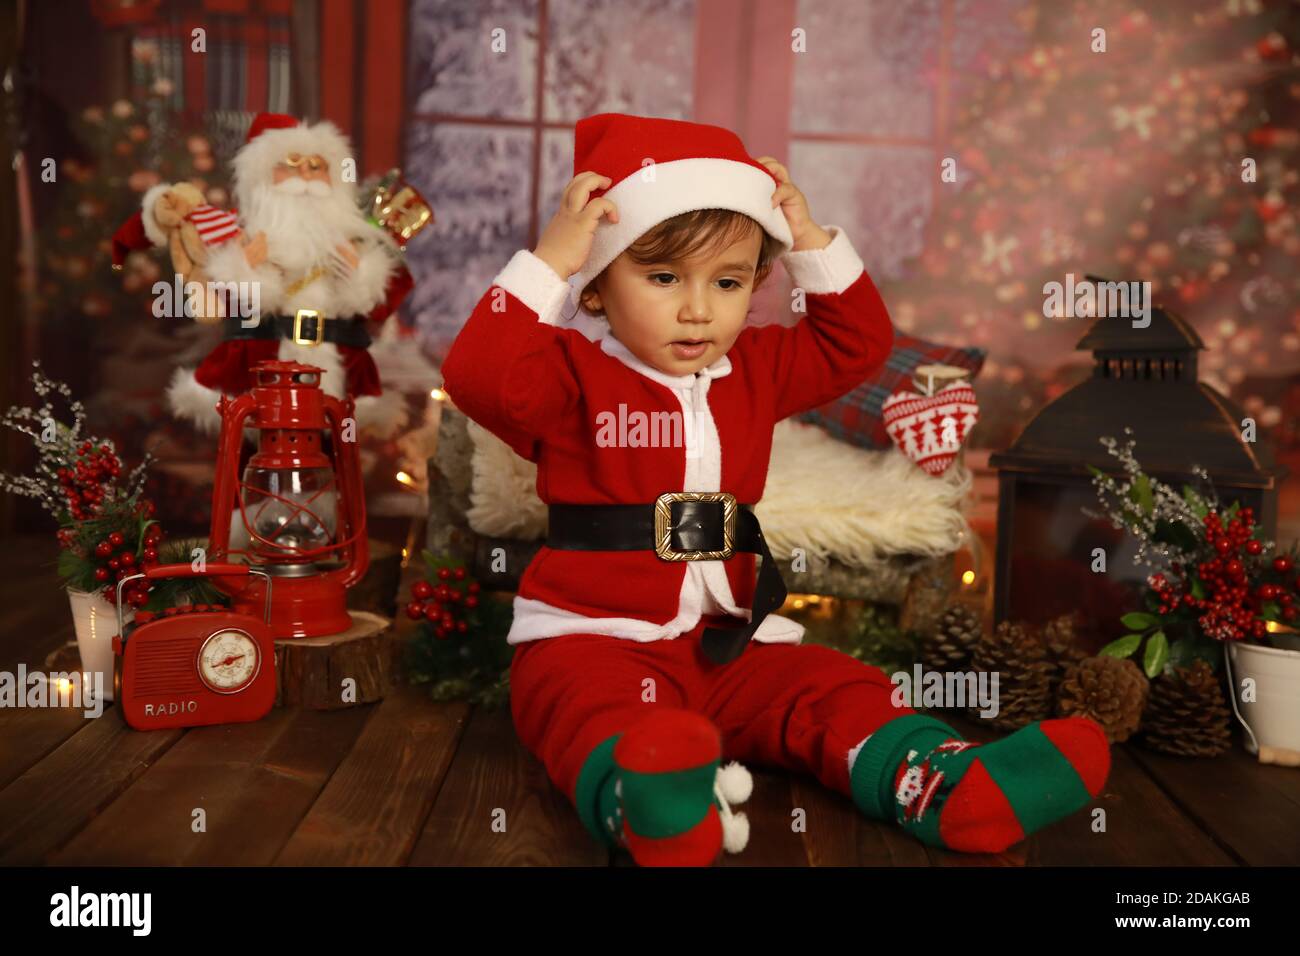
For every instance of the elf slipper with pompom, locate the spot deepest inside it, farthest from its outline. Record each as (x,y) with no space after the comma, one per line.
(659,791)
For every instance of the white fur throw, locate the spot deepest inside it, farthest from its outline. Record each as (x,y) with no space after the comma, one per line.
(829,498)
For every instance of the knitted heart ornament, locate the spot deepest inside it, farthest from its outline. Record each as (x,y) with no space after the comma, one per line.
(930,429)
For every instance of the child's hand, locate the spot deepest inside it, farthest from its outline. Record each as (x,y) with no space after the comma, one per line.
(806,233)
(566,241)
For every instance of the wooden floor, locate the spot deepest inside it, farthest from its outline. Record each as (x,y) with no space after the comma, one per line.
(412,782)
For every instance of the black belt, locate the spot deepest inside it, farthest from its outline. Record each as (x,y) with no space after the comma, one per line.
(679,526)
(306,327)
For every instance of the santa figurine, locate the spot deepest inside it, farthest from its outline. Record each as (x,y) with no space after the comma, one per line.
(321,270)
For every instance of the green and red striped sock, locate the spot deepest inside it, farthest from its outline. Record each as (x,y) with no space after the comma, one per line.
(656,790)
(978,798)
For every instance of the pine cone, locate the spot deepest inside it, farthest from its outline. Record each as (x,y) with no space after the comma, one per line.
(1187,714)
(1110,690)
(1061,639)
(1016,652)
(949,645)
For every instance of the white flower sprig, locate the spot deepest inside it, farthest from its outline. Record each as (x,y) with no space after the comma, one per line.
(56,444)
(1138,503)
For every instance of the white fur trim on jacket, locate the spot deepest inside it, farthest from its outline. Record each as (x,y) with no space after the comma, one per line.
(151,227)
(535,284)
(226,263)
(193,402)
(705,586)
(831,269)
(365,287)
(663,190)
(380,415)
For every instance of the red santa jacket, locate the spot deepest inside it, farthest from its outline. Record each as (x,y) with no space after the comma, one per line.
(540,387)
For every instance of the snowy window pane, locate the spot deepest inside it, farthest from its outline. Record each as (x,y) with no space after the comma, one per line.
(880,195)
(869,69)
(454,68)
(476,177)
(984,32)
(557,170)
(620,56)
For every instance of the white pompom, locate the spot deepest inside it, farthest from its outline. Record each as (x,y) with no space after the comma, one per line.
(735,783)
(735,832)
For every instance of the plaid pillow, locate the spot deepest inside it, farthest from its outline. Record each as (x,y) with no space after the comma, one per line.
(856,417)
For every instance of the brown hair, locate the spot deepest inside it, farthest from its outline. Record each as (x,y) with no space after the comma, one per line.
(700,231)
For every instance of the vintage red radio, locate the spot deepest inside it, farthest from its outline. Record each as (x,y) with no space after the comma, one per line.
(194,665)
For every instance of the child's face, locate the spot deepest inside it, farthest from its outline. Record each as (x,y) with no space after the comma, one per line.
(652,307)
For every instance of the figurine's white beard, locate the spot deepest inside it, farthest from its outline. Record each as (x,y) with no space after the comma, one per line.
(304,221)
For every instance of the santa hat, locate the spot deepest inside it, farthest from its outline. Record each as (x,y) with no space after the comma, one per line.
(272,135)
(662,168)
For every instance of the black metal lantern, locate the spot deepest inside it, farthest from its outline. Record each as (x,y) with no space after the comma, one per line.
(1146,379)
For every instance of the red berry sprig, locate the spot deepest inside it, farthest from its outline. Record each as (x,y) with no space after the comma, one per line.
(1230,609)
(120,561)
(83,483)
(445,605)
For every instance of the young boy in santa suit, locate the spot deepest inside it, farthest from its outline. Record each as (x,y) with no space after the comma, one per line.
(645,654)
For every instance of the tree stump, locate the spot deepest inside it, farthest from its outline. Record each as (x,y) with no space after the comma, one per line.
(311,671)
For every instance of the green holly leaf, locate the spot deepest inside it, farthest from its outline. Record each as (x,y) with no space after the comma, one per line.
(1175,533)
(1199,508)
(1231,512)
(1270,610)
(1198,589)
(1157,654)
(1140,494)
(1122,647)
(1137,620)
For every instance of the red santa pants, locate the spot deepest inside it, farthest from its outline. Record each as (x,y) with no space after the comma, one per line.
(799,707)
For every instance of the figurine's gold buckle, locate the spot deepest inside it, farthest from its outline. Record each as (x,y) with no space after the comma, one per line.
(297,327)
(664,525)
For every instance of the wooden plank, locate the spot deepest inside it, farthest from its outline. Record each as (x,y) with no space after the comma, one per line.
(28,734)
(373,808)
(1250,809)
(772,839)
(1143,828)
(839,834)
(26,625)
(254,781)
(29,634)
(494,779)
(48,804)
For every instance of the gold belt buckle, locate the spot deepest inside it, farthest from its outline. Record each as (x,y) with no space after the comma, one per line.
(297,327)
(664,525)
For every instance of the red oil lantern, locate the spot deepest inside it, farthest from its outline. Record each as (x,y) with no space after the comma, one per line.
(303,510)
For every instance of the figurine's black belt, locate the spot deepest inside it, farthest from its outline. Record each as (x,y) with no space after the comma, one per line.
(679,526)
(306,327)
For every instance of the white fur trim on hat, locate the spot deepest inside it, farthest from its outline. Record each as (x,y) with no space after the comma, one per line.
(254,162)
(663,190)
(194,402)
(151,227)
